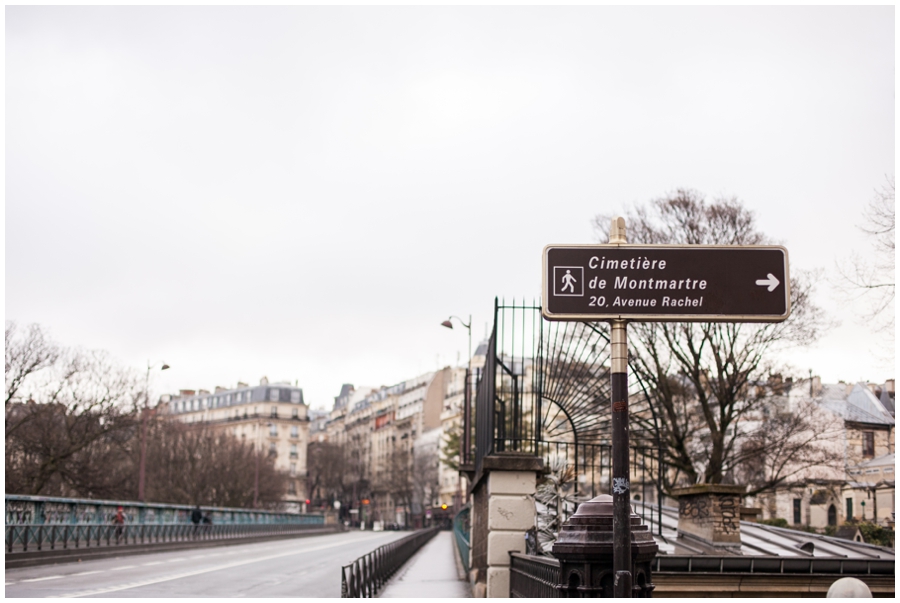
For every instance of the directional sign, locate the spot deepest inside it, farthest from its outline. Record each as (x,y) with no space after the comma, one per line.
(666,283)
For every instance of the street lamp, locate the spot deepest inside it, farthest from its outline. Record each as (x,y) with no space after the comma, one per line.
(449,324)
(144,410)
(464,444)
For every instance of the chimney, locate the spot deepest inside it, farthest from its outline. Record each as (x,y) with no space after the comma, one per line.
(241,384)
(185,392)
(889,386)
(711,513)
(264,381)
(220,389)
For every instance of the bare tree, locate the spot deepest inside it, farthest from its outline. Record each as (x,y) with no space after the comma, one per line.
(70,415)
(700,376)
(72,429)
(426,483)
(399,479)
(789,441)
(26,355)
(325,471)
(195,464)
(873,279)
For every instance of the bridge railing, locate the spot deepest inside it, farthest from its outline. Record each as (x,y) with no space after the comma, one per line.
(365,576)
(37,510)
(49,537)
(461,531)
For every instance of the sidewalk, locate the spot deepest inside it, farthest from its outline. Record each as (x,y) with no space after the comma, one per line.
(434,571)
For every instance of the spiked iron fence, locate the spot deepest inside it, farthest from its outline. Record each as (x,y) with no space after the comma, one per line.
(545,390)
(365,576)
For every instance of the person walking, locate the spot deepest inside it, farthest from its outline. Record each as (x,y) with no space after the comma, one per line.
(196,518)
(119,521)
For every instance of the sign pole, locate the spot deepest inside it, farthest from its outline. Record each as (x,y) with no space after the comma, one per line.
(621,479)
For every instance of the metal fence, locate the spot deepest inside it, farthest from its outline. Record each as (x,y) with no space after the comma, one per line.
(461,530)
(365,576)
(49,537)
(36,510)
(533,577)
(545,390)
(538,577)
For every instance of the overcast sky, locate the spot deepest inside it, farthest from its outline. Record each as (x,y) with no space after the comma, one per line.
(307,192)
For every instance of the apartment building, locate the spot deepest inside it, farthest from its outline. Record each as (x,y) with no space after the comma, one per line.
(376,430)
(861,487)
(271,417)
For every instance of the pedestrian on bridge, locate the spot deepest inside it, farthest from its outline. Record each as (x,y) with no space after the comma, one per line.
(196,518)
(119,521)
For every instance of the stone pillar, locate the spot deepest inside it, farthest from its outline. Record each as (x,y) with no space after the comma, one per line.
(502,511)
(711,513)
(585,552)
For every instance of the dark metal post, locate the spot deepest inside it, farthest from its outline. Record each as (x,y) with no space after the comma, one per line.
(621,480)
(620,466)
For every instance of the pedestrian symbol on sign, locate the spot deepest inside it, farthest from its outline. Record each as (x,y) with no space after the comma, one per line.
(569,281)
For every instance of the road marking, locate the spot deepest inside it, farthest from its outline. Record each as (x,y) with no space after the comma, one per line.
(152,563)
(175,559)
(86,573)
(115,569)
(110,589)
(40,579)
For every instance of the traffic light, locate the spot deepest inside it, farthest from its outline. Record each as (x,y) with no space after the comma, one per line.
(307,501)
(444,506)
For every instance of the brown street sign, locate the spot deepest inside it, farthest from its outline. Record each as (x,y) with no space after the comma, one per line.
(666,283)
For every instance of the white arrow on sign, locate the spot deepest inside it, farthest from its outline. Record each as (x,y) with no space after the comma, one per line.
(772,282)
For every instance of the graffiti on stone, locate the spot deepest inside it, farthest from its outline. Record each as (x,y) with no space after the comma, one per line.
(694,509)
(730,514)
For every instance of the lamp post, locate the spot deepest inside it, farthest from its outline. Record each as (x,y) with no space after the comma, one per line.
(143,464)
(449,324)
(464,441)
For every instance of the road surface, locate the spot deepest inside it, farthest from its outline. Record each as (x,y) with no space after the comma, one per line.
(296,567)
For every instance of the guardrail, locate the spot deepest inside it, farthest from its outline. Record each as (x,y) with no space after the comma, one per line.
(49,537)
(461,532)
(365,576)
(23,510)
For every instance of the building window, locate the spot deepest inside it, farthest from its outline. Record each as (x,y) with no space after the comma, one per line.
(273,395)
(272,449)
(293,451)
(797,518)
(849,509)
(292,488)
(274,411)
(868,443)
(295,432)
(293,469)
(295,397)
(273,430)
(295,413)
(832,515)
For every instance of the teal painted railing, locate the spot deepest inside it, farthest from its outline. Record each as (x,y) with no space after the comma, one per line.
(46,510)
(461,531)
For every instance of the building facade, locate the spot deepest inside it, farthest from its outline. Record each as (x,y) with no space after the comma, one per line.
(861,486)
(271,417)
